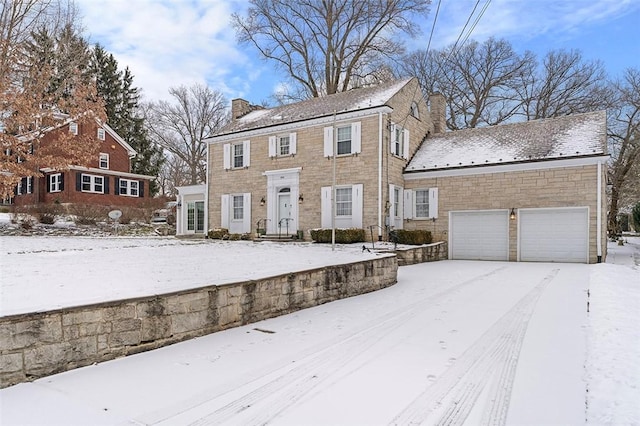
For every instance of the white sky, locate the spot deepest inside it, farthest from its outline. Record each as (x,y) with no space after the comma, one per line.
(167,43)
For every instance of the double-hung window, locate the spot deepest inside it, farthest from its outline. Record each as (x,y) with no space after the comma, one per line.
(73,128)
(398,141)
(238,207)
(422,203)
(344,140)
(129,187)
(238,155)
(101,134)
(104,160)
(92,183)
(344,201)
(284,145)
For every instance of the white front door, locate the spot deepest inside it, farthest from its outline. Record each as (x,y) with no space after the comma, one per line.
(285,221)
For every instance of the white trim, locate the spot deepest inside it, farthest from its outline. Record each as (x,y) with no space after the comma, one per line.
(380,156)
(304,124)
(111,172)
(281,171)
(502,168)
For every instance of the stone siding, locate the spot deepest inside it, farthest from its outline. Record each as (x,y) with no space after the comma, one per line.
(542,188)
(38,344)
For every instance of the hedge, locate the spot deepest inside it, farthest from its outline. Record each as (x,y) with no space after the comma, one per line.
(417,237)
(343,236)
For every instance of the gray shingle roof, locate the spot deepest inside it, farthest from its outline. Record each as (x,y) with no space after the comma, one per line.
(575,135)
(353,100)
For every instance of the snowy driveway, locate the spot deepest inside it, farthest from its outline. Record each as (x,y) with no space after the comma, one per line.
(452,342)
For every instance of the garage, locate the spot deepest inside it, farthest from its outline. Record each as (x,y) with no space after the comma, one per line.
(479,235)
(554,235)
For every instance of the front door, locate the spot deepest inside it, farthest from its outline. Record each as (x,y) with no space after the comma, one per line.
(285,221)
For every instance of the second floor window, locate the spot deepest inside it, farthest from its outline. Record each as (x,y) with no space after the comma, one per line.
(101,134)
(284,145)
(73,128)
(104,161)
(344,140)
(238,155)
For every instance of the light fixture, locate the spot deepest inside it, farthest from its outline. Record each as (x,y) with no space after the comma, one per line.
(300,199)
(512,215)
(262,201)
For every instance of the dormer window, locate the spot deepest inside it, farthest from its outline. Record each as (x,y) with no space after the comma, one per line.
(104,160)
(73,128)
(101,134)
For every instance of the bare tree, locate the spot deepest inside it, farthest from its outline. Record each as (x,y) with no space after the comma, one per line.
(182,126)
(323,46)
(565,84)
(624,143)
(174,172)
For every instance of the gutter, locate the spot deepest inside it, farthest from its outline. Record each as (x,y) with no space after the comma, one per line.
(599,214)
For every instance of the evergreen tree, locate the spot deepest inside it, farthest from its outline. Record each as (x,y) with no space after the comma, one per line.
(123,113)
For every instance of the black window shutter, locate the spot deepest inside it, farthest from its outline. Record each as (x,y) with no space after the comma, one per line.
(47,178)
(106,185)
(78,181)
(116,183)
(141,192)
(61,181)
(23,184)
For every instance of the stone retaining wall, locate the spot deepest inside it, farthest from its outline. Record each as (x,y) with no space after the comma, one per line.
(38,344)
(421,254)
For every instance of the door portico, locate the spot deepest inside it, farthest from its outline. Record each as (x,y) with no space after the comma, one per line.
(282,209)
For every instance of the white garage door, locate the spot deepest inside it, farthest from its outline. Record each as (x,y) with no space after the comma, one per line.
(479,235)
(554,235)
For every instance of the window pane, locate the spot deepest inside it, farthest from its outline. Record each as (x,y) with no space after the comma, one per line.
(238,207)
(422,203)
(284,145)
(237,155)
(344,140)
(190,216)
(343,202)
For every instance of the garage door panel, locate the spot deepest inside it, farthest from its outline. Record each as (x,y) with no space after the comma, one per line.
(479,235)
(554,235)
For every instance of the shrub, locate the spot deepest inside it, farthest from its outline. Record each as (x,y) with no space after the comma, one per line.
(343,236)
(416,237)
(218,234)
(88,214)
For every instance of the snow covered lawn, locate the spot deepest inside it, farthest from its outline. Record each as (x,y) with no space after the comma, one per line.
(474,342)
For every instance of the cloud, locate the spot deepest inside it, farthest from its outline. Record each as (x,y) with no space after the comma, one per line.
(168,43)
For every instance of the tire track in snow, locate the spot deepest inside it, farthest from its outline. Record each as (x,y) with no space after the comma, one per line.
(316,366)
(450,399)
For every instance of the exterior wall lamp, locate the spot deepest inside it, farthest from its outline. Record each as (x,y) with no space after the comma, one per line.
(512,215)
(262,201)
(300,199)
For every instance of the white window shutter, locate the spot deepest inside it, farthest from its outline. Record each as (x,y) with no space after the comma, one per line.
(392,139)
(272,146)
(246,153)
(292,143)
(328,141)
(433,203)
(325,207)
(405,154)
(392,200)
(226,156)
(356,206)
(224,210)
(246,214)
(356,139)
(408,204)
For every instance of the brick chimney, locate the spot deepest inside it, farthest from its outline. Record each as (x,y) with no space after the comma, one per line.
(437,108)
(239,107)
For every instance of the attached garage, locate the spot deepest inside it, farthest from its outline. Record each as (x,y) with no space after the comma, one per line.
(554,235)
(479,235)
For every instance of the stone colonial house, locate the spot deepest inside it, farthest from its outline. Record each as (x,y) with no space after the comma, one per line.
(522,192)
(108,181)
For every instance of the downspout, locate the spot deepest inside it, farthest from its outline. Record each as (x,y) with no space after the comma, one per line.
(380,147)
(206,194)
(599,214)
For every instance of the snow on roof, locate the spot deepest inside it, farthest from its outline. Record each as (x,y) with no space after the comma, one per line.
(352,100)
(575,135)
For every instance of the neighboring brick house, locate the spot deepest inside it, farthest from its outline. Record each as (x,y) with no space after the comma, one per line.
(107,181)
(275,166)
(532,191)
